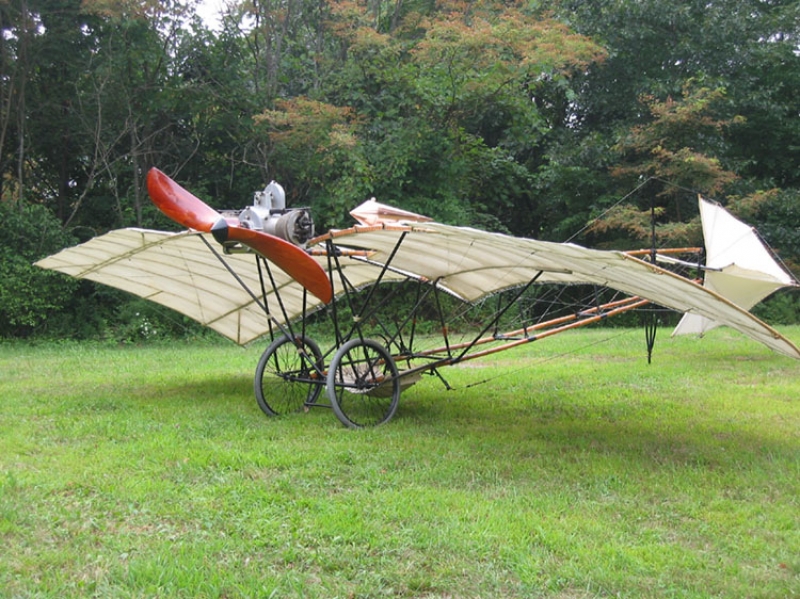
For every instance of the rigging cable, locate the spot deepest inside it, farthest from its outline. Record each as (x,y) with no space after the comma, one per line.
(609,209)
(541,361)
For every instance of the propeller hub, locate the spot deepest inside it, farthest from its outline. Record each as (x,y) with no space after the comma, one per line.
(220,230)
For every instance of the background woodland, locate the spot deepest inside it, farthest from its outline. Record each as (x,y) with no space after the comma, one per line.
(561,120)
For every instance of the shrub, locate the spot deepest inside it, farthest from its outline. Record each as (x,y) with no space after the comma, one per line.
(28,295)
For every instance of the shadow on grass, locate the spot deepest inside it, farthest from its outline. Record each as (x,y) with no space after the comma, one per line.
(217,390)
(495,421)
(654,435)
(233,386)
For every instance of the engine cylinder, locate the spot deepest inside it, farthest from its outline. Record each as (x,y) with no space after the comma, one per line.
(294,226)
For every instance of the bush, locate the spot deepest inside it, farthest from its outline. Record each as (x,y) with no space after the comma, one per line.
(783,308)
(28,295)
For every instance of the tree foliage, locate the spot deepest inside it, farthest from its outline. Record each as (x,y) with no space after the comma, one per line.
(28,295)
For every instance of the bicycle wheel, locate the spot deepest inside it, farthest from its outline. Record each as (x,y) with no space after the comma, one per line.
(287,376)
(362,384)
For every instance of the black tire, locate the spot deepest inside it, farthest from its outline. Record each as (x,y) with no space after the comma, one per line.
(362,384)
(286,378)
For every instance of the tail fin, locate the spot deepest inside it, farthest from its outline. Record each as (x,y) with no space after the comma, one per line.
(739,266)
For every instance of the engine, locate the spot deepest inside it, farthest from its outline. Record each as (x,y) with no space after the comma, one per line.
(270,215)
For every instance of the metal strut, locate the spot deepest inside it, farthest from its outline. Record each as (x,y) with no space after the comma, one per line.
(650,329)
(499,314)
(235,276)
(280,301)
(364,310)
(651,320)
(249,291)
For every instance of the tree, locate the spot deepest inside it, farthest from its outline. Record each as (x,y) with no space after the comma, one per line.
(766,93)
(678,149)
(447,103)
(657,51)
(316,155)
(28,295)
(498,114)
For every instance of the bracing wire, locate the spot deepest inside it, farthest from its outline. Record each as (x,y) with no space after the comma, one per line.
(543,360)
(609,209)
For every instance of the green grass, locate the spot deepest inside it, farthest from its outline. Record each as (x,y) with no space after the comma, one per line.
(577,471)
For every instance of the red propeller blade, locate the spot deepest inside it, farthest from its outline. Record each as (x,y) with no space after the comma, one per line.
(191,212)
(180,205)
(288,257)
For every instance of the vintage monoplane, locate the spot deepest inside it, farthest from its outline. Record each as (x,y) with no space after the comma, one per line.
(269,275)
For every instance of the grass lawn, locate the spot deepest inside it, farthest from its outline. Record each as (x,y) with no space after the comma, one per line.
(576,471)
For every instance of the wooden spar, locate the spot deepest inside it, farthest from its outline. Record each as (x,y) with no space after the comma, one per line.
(549,333)
(570,317)
(626,303)
(331,235)
(664,251)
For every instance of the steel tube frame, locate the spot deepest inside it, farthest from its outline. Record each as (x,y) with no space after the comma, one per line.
(437,357)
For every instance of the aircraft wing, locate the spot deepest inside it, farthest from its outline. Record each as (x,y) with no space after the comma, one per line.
(180,271)
(472,264)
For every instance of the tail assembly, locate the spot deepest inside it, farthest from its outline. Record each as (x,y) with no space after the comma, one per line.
(739,267)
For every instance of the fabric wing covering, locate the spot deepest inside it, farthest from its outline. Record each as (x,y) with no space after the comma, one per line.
(178,270)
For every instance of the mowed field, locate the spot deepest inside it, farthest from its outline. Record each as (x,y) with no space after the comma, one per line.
(569,468)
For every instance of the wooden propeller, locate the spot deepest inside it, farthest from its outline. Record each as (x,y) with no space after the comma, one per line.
(191,212)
